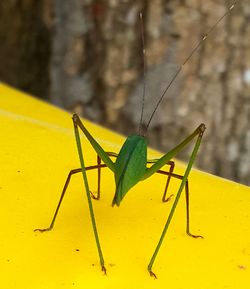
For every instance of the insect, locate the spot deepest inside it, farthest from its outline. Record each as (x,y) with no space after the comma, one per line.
(132,166)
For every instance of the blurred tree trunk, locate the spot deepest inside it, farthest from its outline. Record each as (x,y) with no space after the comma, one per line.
(94,56)
(96,68)
(25,45)
(99,72)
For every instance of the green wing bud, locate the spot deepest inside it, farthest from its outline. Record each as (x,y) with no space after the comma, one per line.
(130,166)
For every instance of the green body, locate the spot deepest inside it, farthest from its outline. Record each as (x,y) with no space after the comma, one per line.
(130,168)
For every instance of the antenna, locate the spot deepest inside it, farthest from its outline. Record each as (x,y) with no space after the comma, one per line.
(200,43)
(144,72)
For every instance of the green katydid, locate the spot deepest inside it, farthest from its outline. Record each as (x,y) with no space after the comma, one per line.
(130,166)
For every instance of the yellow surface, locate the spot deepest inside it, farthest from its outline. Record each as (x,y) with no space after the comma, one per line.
(38,150)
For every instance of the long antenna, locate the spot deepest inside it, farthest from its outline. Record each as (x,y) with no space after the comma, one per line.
(200,43)
(144,73)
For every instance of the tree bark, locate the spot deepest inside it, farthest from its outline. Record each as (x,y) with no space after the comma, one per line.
(25,45)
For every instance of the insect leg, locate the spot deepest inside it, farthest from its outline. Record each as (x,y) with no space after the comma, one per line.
(96,146)
(169,174)
(72,172)
(97,197)
(86,184)
(164,199)
(187,210)
(60,201)
(200,132)
(100,166)
(187,200)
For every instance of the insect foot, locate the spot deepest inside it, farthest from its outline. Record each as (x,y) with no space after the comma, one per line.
(195,236)
(152,274)
(42,230)
(93,196)
(104,270)
(167,199)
